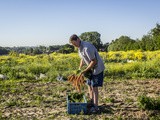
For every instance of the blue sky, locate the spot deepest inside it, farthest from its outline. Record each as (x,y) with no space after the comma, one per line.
(52,22)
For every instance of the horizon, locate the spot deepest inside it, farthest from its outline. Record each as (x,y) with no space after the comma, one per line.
(48,23)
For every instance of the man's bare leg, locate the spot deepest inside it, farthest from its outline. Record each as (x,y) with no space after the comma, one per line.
(95,96)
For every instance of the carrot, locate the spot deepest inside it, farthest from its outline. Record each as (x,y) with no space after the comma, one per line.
(77,81)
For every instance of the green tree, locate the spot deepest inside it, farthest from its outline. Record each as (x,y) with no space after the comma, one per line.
(3,51)
(123,43)
(93,37)
(147,43)
(155,32)
(54,48)
(105,47)
(36,51)
(42,49)
(67,48)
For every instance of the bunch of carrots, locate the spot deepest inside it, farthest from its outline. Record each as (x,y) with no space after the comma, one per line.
(77,81)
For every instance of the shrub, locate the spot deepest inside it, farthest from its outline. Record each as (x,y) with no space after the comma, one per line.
(36,69)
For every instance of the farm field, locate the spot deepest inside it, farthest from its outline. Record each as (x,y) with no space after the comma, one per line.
(47,100)
(29,88)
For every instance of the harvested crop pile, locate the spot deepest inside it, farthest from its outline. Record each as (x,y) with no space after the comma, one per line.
(76,81)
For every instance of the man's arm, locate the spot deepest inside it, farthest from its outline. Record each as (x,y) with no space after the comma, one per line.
(81,64)
(90,66)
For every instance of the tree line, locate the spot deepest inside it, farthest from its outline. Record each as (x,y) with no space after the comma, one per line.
(149,42)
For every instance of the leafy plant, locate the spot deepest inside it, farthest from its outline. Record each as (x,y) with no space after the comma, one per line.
(149,103)
(76,97)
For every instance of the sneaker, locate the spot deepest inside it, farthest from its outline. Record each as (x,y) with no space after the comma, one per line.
(92,110)
(90,101)
(90,104)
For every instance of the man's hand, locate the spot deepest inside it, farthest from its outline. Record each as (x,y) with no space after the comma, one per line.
(78,71)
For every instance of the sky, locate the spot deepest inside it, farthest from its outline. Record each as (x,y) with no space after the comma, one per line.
(52,22)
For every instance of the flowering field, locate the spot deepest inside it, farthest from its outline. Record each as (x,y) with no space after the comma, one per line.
(131,64)
(29,88)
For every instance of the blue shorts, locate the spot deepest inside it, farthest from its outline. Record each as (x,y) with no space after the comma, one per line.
(96,81)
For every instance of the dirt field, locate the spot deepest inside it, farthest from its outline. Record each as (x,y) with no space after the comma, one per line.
(47,100)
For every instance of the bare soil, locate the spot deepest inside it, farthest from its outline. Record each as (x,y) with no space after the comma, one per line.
(47,100)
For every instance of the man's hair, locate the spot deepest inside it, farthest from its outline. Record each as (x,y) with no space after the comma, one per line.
(73,37)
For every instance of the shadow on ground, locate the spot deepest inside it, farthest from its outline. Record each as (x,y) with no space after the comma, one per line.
(103,109)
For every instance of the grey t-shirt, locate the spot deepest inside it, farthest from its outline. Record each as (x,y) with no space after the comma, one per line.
(88,52)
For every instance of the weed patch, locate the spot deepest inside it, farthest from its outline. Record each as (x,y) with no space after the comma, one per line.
(149,103)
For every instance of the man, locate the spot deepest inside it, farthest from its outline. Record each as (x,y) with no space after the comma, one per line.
(89,56)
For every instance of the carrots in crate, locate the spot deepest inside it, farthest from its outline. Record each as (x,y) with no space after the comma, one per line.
(77,81)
